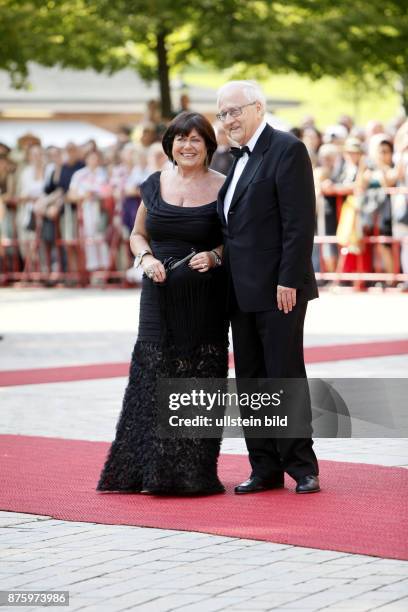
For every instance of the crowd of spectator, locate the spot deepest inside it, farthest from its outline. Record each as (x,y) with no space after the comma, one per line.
(46,191)
(361,179)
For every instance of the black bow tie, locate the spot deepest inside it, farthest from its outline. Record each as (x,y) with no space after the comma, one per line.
(239,151)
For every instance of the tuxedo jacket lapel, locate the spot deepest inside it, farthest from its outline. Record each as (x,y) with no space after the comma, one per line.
(252,165)
(223,191)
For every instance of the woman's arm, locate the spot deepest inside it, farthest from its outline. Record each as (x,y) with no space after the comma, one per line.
(140,241)
(132,190)
(390,177)
(73,196)
(219,250)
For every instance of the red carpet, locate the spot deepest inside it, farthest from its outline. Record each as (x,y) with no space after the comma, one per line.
(362,508)
(313,354)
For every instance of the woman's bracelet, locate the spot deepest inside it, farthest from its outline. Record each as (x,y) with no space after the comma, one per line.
(217,258)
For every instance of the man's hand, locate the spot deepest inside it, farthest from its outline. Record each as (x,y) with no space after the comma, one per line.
(286,298)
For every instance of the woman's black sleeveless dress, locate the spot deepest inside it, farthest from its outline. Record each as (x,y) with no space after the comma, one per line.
(183,332)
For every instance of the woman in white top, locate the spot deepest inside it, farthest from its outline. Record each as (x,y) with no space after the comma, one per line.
(87,188)
(31,187)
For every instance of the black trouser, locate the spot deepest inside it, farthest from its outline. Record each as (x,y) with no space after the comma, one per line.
(269,344)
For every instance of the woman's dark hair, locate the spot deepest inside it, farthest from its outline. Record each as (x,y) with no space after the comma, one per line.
(6,147)
(297,131)
(183,125)
(388,143)
(94,152)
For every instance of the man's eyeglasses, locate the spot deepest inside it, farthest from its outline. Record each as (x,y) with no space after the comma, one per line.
(235,111)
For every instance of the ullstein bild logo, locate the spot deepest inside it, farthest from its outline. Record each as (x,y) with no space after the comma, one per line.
(228,421)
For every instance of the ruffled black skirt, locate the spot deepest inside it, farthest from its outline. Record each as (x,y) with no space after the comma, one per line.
(183,333)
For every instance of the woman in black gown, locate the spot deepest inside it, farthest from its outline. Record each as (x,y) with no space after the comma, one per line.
(183,329)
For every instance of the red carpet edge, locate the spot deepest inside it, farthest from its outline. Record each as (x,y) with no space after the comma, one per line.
(313,354)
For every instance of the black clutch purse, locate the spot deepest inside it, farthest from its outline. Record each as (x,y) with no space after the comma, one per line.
(172,263)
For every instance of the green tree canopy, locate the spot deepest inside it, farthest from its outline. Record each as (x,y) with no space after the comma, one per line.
(356,38)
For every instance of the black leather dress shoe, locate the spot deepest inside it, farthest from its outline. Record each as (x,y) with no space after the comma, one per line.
(308,484)
(254,484)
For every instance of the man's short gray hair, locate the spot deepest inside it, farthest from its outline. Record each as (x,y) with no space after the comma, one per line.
(251,90)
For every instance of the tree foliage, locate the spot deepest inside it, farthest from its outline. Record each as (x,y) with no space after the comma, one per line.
(356,38)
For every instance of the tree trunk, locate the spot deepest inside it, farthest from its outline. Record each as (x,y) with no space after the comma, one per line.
(163,74)
(402,90)
(404,94)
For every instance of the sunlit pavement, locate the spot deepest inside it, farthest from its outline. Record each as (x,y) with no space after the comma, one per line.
(99,564)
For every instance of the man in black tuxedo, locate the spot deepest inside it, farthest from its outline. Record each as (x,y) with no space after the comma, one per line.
(267,209)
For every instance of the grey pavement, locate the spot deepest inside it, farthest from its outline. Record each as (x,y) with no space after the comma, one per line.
(116,568)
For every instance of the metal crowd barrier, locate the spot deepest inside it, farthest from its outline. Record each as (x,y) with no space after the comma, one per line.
(33,269)
(361,277)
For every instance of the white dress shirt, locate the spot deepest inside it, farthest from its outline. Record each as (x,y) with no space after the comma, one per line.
(239,168)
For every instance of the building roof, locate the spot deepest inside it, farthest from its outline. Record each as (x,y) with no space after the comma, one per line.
(55,133)
(57,90)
